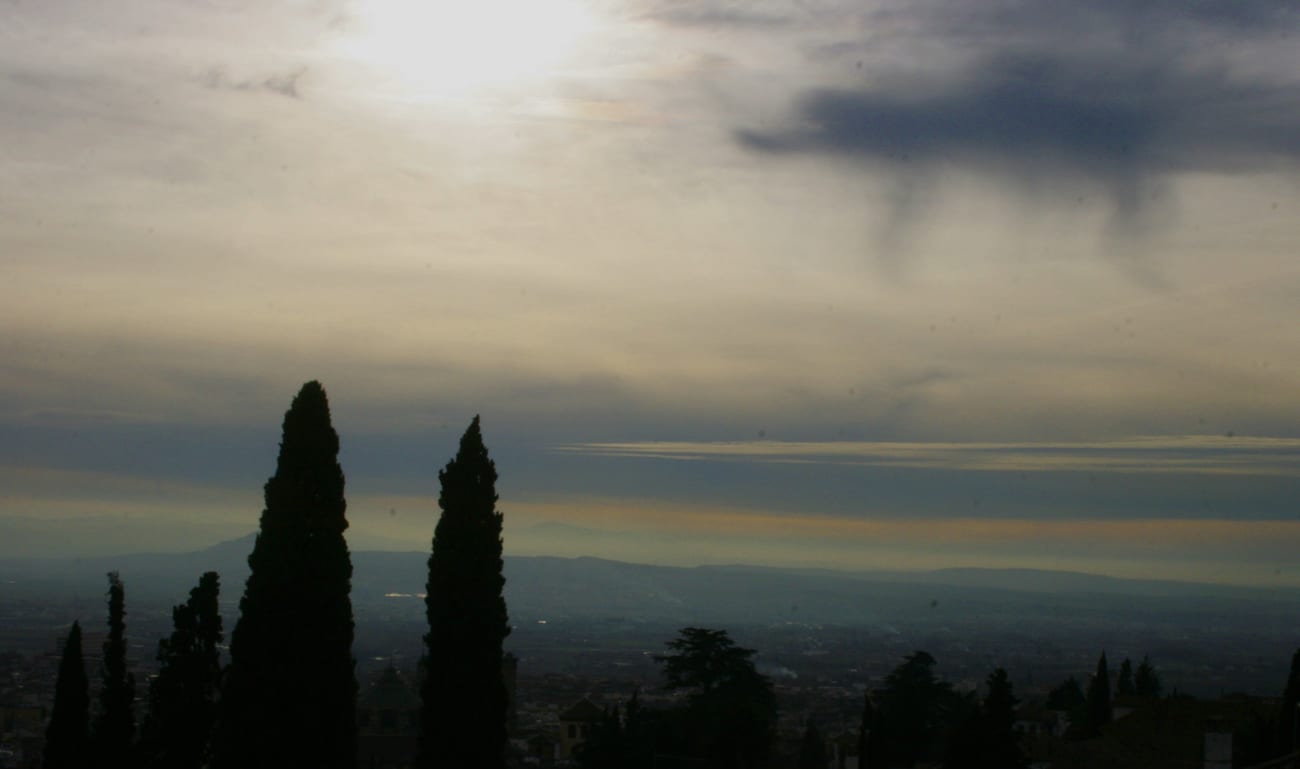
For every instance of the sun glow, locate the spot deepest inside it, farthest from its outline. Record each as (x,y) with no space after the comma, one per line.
(448,47)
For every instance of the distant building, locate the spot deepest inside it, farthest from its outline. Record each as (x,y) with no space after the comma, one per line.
(576,724)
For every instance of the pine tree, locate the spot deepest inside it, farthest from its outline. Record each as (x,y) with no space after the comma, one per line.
(1099,707)
(66,737)
(730,716)
(1147,682)
(463,713)
(289,696)
(1124,687)
(183,697)
(113,732)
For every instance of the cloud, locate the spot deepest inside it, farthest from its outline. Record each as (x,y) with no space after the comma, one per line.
(729,16)
(1063,97)
(283,84)
(1042,120)
(1193,454)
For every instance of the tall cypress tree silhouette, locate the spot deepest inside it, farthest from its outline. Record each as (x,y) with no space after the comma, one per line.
(1099,706)
(113,733)
(463,713)
(183,697)
(289,699)
(68,731)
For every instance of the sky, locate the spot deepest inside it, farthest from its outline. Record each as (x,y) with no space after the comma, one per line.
(855,284)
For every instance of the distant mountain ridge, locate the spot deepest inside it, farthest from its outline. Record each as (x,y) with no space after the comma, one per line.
(549,587)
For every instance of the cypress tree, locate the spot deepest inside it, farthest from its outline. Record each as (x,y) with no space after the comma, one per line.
(289,697)
(67,734)
(183,697)
(113,733)
(1099,709)
(463,713)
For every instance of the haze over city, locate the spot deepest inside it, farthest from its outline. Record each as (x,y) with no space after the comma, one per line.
(875,285)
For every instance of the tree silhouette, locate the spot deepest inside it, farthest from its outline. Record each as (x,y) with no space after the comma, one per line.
(1099,706)
(67,734)
(912,711)
(618,743)
(1124,687)
(113,731)
(289,697)
(1067,696)
(730,716)
(865,726)
(1147,682)
(463,713)
(183,697)
(1289,728)
(1001,741)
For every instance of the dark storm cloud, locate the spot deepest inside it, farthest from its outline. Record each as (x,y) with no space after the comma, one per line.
(1050,94)
(1031,117)
(1160,15)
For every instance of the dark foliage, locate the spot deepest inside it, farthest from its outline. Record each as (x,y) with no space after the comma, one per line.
(1124,686)
(1146,683)
(730,717)
(463,718)
(965,748)
(913,713)
(606,746)
(289,697)
(1288,730)
(183,697)
(985,736)
(621,743)
(1099,704)
(113,732)
(812,749)
(865,726)
(1067,696)
(1001,742)
(67,735)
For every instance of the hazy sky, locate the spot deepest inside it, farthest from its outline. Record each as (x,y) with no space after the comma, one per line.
(865,284)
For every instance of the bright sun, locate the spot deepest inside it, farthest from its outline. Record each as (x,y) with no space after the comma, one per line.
(442,47)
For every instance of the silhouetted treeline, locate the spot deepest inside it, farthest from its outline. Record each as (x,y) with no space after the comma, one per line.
(288,697)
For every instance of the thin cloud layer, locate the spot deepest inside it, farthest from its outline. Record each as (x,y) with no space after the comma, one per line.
(1193,454)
